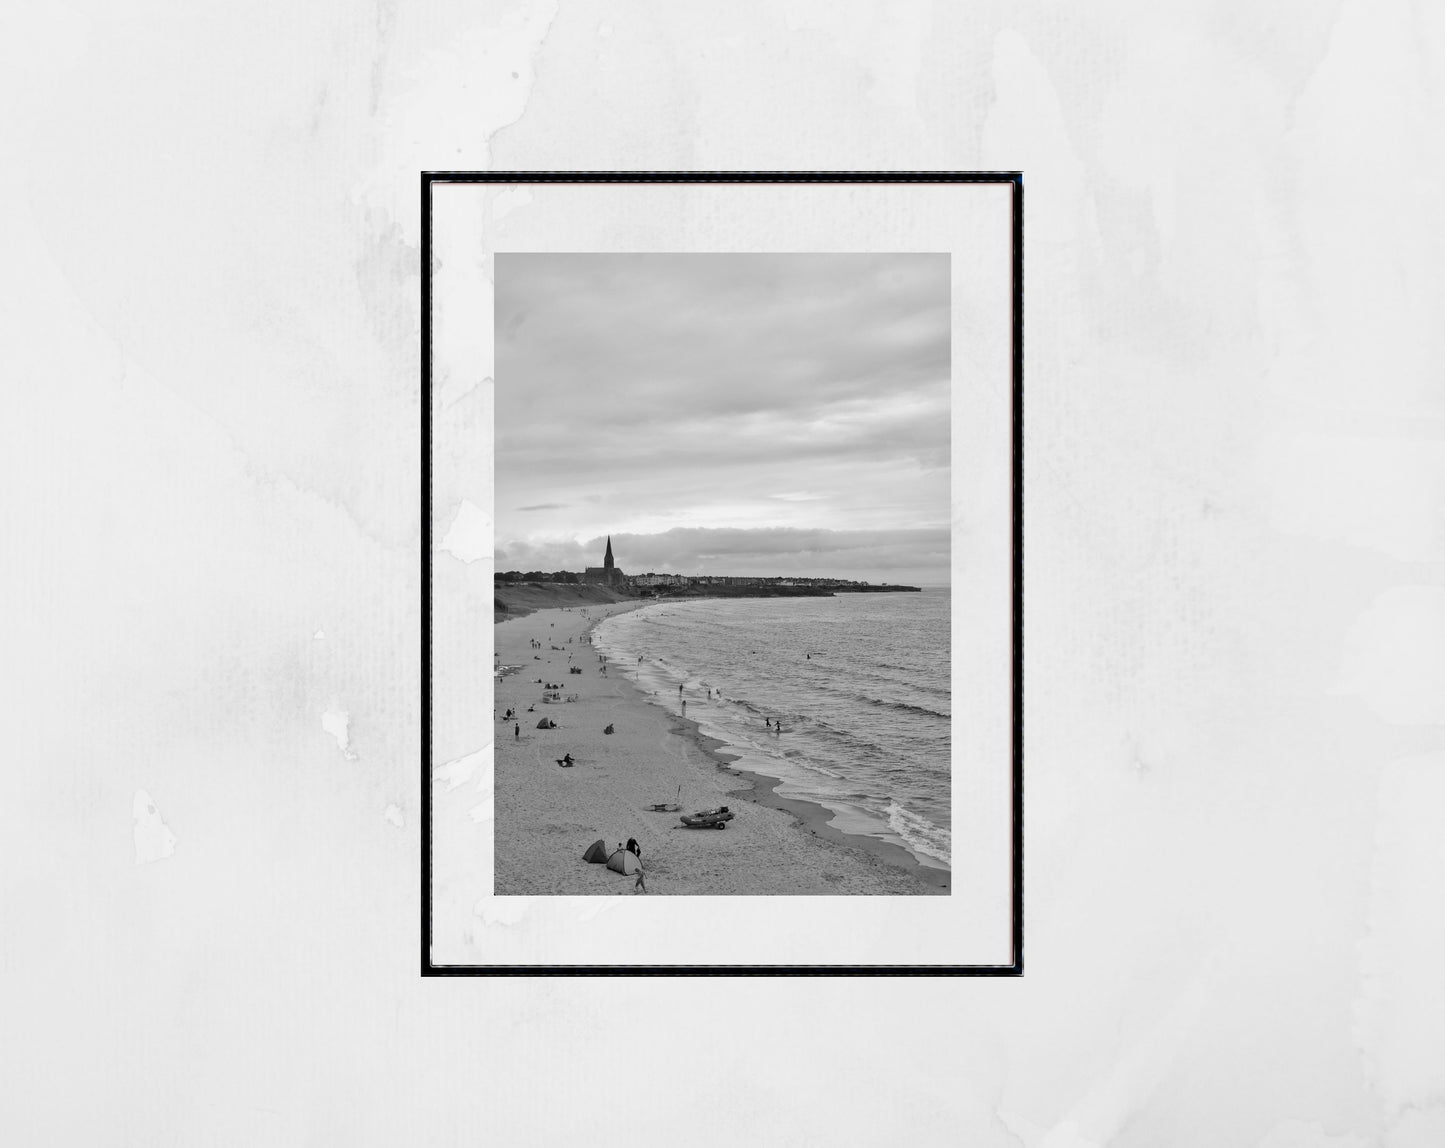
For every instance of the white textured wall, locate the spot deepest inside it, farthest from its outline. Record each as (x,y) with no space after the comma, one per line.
(1236,610)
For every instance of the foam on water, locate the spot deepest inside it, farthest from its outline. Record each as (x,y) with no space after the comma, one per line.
(921,834)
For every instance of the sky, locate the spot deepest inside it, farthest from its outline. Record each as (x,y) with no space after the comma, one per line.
(724,414)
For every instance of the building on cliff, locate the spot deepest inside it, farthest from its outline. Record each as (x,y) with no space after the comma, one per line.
(607,574)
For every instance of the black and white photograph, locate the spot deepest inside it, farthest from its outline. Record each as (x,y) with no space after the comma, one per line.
(731,491)
(759,644)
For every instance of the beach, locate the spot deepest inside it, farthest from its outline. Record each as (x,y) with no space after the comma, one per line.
(547,815)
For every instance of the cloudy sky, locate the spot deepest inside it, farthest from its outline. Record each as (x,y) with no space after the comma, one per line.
(724,414)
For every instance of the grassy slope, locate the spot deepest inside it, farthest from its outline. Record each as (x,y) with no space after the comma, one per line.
(521,600)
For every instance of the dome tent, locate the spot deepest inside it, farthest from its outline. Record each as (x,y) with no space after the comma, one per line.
(621,861)
(596,852)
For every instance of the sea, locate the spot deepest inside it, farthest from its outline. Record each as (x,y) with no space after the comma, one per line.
(860,683)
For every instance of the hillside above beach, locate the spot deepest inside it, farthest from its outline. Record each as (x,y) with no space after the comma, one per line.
(521,599)
(518,599)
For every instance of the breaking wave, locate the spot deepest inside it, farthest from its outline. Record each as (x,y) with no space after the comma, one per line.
(921,834)
(865,723)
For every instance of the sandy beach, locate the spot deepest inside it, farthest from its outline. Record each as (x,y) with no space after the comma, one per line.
(546,815)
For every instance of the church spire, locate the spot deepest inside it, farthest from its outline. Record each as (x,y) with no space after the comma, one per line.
(607,560)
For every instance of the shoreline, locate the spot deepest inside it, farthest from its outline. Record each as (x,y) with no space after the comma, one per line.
(811,816)
(814,818)
(546,817)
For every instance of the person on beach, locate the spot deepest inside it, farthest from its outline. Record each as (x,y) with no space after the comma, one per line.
(517,731)
(641,881)
(634,848)
(684,706)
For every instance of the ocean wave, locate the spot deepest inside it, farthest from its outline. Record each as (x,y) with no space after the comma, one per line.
(905,707)
(793,757)
(866,716)
(866,677)
(921,835)
(915,668)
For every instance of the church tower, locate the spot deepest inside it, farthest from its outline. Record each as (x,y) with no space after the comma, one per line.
(607,574)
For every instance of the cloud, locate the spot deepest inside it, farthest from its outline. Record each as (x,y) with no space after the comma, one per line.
(642,393)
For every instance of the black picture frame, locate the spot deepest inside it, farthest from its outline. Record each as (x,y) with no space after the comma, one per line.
(431,178)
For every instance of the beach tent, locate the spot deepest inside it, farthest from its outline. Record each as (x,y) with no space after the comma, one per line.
(596,852)
(624,862)
(546,723)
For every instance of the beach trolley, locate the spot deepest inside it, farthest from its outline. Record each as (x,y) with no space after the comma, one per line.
(708,818)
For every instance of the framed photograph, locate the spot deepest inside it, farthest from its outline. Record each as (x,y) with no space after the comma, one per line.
(722,573)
